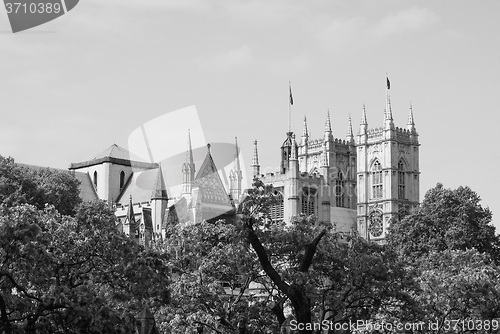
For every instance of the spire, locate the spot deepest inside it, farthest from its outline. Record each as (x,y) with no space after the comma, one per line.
(236,155)
(328,125)
(304,131)
(255,160)
(389,124)
(188,168)
(363,116)
(235,176)
(189,153)
(159,191)
(350,136)
(130,212)
(328,128)
(411,123)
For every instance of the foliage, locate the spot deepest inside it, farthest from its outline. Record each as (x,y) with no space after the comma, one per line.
(38,186)
(446,219)
(61,274)
(458,287)
(253,275)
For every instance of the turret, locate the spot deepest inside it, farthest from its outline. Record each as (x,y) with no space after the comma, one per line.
(188,169)
(286,150)
(255,161)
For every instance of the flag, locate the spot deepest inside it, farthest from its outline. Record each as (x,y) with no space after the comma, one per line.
(388,83)
(291,97)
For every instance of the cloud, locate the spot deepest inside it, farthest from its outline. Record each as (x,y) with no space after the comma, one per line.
(228,60)
(412,19)
(337,32)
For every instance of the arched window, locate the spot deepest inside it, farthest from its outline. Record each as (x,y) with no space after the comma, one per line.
(377,184)
(308,201)
(401,180)
(277,211)
(95,179)
(339,190)
(122,179)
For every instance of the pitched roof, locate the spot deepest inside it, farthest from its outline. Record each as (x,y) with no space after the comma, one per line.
(210,183)
(214,199)
(117,155)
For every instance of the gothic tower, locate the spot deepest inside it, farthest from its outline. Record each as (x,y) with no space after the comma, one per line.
(387,173)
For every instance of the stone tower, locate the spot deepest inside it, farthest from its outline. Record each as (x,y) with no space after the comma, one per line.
(387,173)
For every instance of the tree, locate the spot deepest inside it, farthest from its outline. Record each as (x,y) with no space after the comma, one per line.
(322,277)
(446,219)
(254,275)
(459,292)
(38,186)
(62,274)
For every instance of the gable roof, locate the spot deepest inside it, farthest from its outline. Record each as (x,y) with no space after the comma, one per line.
(210,184)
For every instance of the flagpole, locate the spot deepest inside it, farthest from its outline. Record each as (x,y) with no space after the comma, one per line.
(290,102)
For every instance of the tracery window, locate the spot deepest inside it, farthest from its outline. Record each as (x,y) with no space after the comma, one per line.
(377,183)
(277,211)
(308,201)
(401,180)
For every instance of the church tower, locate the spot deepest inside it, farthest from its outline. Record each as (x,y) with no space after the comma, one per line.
(387,173)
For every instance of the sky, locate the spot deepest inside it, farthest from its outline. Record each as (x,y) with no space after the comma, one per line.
(74,86)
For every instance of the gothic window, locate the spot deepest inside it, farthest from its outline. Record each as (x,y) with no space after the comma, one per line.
(122,179)
(308,201)
(376,226)
(95,179)
(340,190)
(278,209)
(401,180)
(377,184)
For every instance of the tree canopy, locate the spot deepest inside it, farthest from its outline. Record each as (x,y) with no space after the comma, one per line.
(446,219)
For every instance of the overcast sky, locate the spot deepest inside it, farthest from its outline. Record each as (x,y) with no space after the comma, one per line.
(76,85)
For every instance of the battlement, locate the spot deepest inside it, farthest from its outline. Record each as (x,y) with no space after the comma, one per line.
(400,134)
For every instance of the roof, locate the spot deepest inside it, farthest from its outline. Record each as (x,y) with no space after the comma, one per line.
(159,190)
(117,155)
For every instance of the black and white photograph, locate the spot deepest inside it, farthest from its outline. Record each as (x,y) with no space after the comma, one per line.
(249,167)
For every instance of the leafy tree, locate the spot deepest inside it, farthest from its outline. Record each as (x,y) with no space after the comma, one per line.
(253,275)
(446,219)
(322,277)
(61,274)
(459,292)
(38,186)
